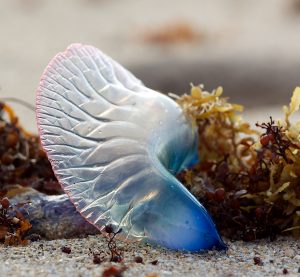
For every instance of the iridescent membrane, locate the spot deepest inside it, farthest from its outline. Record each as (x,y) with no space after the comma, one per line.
(115,146)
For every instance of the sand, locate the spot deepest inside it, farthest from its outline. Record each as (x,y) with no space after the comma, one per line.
(45,258)
(249,47)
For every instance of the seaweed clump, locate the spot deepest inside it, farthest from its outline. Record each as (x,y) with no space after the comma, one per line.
(247,178)
(13,225)
(22,160)
(23,164)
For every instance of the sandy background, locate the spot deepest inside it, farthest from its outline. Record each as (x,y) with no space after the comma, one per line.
(251,47)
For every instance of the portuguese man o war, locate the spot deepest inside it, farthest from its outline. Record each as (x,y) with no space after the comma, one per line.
(116,145)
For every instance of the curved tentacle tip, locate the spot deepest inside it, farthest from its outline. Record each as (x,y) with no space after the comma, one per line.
(115,146)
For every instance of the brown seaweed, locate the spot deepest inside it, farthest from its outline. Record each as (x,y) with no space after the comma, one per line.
(22,160)
(247,179)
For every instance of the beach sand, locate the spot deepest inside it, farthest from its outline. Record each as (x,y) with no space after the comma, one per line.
(45,258)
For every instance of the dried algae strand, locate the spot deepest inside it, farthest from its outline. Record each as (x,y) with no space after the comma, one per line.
(248,180)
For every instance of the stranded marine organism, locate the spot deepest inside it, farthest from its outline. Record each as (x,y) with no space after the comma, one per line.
(115,146)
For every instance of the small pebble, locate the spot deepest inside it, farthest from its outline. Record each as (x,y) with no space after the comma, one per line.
(34,237)
(116,259)
(155,262)
(258,261)
(138,260)
(66,249)
(97,259)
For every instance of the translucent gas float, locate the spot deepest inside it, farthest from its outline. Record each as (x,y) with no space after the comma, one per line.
(115,146)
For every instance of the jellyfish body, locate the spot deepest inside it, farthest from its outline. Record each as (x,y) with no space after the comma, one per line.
(115,146)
